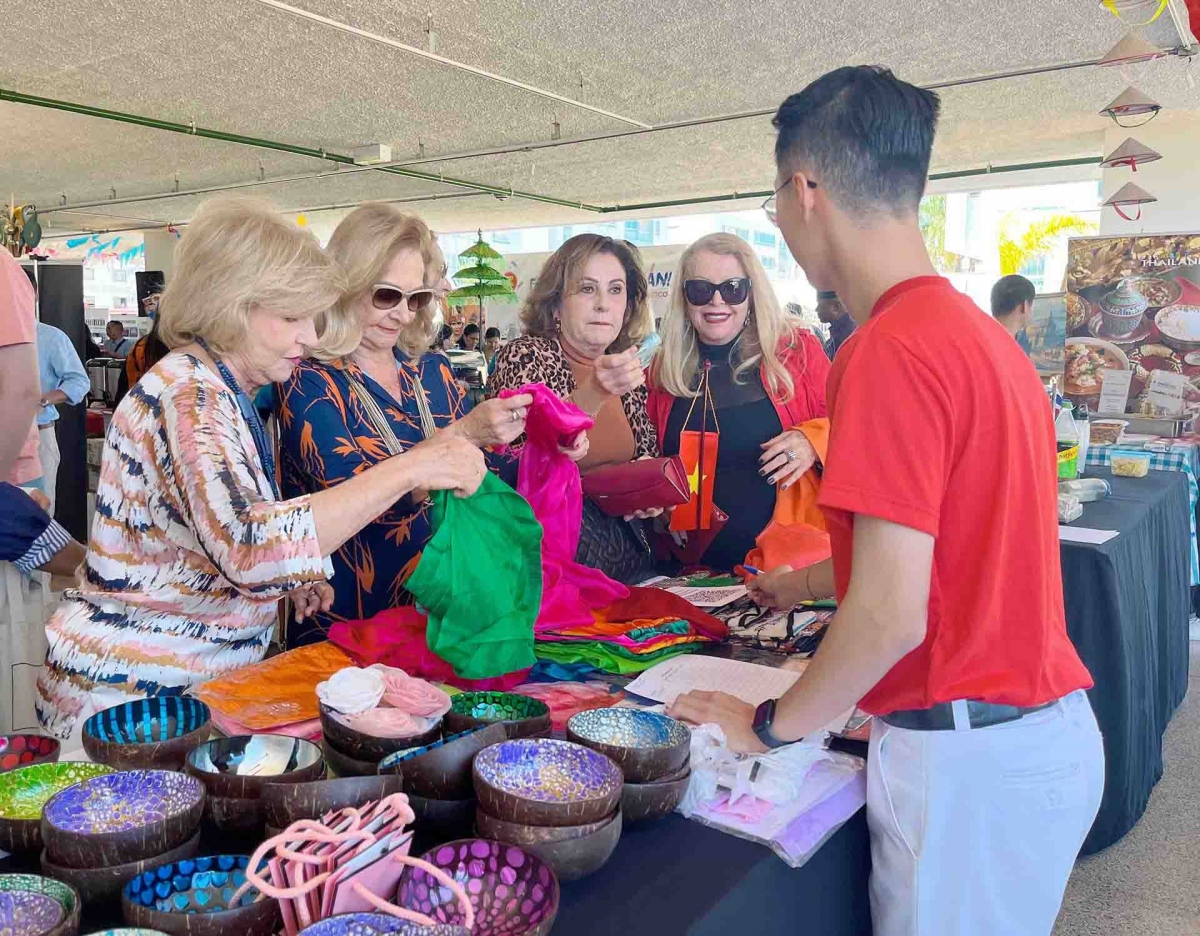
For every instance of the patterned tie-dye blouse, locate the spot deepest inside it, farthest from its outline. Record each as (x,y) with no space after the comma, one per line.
(189,551)
(327,437)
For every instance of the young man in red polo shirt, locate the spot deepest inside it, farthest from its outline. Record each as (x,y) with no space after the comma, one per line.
(986,766)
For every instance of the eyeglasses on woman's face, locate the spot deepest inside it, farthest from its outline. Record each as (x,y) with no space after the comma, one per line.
(386,297)
(700,292)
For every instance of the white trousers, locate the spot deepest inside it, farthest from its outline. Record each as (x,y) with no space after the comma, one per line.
(975,832)
(48,451)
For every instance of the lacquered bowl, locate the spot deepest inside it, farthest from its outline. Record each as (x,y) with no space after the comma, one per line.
(121,817)
(129,931)
(147,734)
(378,924)
(285,803)
(238,767)
(442,770)
(646,745)
(365,747)
(513,892)
(572,856)
(24,750)
(522,716)
(191,898)
(543,781)
(343,765)
(643,802)
(65,895)
(103,885)
(25,791)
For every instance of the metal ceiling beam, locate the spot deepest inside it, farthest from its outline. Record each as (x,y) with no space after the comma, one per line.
(933,177)
(159,225)
(645,206)
(17,97)
(442,60)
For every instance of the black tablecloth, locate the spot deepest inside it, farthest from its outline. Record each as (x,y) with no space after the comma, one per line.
(680,878)
(1127,613)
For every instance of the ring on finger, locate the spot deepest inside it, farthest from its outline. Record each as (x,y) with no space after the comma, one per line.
(791,456)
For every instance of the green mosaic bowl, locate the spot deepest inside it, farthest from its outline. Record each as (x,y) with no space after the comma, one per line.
(521,716)
(23,793)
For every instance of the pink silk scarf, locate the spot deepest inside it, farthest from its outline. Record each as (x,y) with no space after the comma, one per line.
(549,480)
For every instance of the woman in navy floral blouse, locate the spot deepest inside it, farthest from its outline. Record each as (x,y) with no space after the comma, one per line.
(338,417)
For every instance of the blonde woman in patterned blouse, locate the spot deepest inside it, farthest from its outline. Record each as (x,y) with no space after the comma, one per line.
(191,547)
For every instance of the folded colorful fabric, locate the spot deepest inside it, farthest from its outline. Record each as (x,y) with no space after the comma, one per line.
(397,637)
(281,690)
(608,657)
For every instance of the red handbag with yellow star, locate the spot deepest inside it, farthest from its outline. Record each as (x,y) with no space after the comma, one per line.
(698,452)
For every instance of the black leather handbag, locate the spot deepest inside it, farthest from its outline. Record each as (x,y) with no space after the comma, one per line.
(617,547)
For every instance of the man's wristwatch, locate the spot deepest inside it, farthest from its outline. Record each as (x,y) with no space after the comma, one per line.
(764,716)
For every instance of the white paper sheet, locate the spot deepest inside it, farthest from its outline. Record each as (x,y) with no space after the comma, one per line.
(1068,534)
(708,597)
(750,682)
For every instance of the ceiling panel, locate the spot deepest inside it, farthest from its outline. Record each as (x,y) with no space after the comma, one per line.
(241,67)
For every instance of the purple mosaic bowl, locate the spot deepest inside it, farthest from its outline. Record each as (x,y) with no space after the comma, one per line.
(378,924)
(513,893)
(543,781)
(32,916)
(121,817)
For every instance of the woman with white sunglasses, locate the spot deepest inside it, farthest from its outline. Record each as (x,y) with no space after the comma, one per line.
(340,415)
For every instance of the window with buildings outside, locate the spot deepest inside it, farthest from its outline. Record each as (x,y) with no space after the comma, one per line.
(974,237)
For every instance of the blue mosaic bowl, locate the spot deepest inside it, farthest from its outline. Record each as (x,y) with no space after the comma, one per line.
(442,770)
(647,746)
(121,817)
(147,733)
(543,781)
(378,924)
(191,898)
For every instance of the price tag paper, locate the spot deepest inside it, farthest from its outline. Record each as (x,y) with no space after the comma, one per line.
(1166,392)
(1114,391)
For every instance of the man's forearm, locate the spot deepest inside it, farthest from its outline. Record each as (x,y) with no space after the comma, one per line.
(20,396)
(858,650)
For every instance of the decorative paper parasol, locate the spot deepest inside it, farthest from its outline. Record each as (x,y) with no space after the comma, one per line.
(489,283)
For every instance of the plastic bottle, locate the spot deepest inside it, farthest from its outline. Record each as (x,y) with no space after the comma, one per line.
(1083,431)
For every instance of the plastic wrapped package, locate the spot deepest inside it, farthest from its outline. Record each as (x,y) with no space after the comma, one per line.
(1069,508)
(791,799)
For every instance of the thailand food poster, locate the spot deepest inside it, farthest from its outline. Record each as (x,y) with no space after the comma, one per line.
(1132,303)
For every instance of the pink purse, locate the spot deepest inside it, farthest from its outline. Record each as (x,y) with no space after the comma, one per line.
(341,864)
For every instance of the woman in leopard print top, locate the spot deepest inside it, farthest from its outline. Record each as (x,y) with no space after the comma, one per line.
(588,309)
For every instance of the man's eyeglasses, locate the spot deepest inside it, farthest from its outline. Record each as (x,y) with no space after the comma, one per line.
(771,207)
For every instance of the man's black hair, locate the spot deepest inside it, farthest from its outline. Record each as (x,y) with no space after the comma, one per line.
(864,135)
(1010,292)
(492,332)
